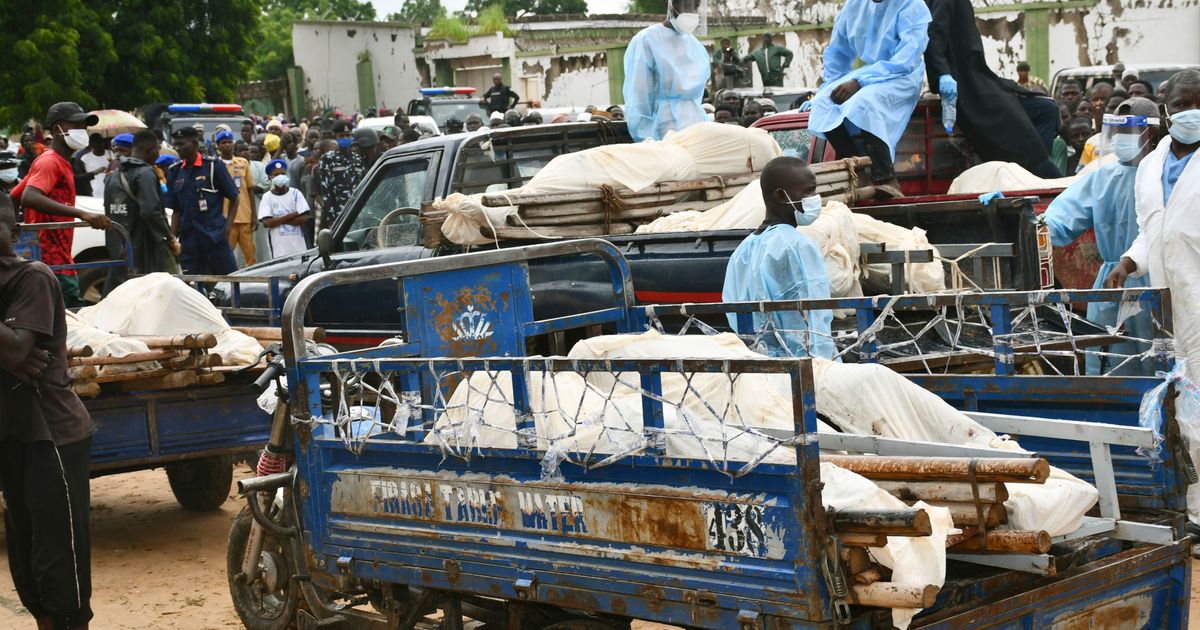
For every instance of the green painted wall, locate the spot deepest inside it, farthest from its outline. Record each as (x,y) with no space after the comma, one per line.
(366,84)
(1037,42)
(615,58)
(296,96)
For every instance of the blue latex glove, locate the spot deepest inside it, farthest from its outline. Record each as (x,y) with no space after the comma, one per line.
(947,86)
(806,105)
(987,198)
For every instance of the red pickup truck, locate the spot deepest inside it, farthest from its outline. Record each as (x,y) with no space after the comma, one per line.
(927,161)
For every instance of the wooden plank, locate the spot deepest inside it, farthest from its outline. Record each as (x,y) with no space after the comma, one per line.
(82,372)
(197,341)
(136,357)
(196,361)
(556,231)
(173,380)
(275,333)
(1028,470)
(910,491)
(1003,541)
(86,389)
(894,595)
(211,378)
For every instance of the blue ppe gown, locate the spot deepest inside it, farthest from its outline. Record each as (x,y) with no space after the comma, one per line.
(890,38)
(782,264)
(665,75)
(1104,199)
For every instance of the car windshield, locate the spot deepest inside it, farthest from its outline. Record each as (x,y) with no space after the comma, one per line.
(395,195)
(460,108)
(794,142)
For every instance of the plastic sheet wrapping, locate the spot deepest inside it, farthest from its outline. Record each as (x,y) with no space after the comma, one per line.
(1187,414)
(161,304)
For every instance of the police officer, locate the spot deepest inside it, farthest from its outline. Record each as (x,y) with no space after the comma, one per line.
(197,187)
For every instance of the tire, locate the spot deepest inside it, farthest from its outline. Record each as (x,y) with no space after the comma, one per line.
(201,485)
(91,284)
(271,601)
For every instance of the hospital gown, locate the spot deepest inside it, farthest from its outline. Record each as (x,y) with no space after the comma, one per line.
(782,264)
(665,76)
(1103,198)
(890,38)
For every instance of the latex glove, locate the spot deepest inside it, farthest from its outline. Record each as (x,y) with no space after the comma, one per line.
(806,105)
(947,86)
(987,198)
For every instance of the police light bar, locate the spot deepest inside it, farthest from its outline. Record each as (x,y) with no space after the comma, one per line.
(446,91)
(205,108)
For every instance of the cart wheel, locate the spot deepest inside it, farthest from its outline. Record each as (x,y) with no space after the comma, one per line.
(269,602)
(201,484)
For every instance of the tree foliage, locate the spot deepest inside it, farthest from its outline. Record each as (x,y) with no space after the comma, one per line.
(647,7)
(422,11)
(520,8)
(57,50)
(122,53)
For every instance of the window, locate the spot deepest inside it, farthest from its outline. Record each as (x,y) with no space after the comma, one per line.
(398,185)
(794,142)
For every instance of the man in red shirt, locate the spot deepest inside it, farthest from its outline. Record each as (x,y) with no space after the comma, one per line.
(48,192)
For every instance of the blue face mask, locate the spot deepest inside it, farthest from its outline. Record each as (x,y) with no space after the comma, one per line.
(809,208)
(344,143)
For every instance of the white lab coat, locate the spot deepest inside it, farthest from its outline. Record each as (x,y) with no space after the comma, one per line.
(1168,246)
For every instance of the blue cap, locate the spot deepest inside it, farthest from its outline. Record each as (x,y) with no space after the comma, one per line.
(164,161)
(223,135)
(124,140)
(276,164)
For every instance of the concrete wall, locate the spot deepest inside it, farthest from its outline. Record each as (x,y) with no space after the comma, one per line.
(1077,32)
(329,52)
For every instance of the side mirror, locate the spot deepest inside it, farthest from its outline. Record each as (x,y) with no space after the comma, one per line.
(325,247)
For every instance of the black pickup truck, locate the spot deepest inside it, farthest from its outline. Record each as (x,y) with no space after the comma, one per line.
(382,224)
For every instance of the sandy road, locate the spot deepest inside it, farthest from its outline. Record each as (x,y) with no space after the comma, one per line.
(156,565)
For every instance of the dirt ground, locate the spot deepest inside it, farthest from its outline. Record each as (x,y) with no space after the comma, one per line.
(158,566)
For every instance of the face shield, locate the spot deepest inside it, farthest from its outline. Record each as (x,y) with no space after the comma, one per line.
(1127,137)
(689,16)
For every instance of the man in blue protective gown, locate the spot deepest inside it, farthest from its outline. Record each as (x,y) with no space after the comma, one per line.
(777,262)
(666,71)
(1104,198)
(862,112)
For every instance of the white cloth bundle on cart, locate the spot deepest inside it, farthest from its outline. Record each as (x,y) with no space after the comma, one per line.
(700,151)
(713,417)
(106,344)
(161,304)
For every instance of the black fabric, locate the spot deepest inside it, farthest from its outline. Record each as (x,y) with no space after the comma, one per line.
(865,144)
(1042,111)
(46,496)
(500,98)
(989,114)
(16,411)
(140,211)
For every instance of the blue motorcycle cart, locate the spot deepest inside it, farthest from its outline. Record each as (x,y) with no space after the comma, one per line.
(378,523)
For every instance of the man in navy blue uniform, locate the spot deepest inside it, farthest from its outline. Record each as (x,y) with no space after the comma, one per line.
(197,187)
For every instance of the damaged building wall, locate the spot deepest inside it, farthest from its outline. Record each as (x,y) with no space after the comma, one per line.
(329,53)
(565,80)
(1132,31)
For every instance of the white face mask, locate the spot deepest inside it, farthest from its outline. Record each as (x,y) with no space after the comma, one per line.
(1127,147)
(686,23)
(8,175)
(76,139)
(280,181)
(810,208)
(1185,126)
